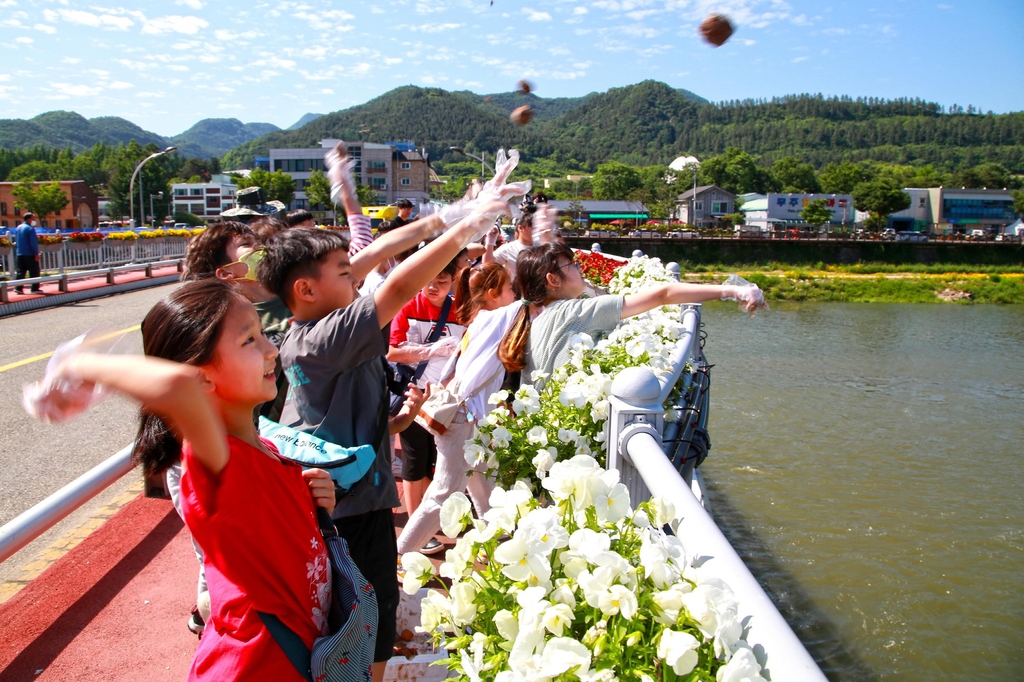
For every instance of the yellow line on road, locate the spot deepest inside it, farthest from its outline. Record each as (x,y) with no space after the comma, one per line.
(44,356)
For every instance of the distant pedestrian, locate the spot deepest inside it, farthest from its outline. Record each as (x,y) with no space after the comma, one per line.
(27,250)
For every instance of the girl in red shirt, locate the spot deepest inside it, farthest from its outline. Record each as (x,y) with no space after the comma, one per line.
(208,366)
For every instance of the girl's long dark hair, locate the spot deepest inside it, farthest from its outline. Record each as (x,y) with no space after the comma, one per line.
(183,327)
(532,269)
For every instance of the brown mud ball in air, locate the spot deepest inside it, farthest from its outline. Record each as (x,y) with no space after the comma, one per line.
(523,87)
(716,29)
(522,115)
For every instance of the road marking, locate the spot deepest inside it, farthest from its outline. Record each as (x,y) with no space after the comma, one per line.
(44,356)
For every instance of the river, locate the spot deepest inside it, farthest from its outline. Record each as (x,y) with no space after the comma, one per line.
(866,463)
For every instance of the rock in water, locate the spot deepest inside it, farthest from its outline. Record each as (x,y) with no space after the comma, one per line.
(716,29)
(522,115)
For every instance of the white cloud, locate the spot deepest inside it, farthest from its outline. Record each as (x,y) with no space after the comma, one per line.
(326,91)
(25,40)
(82,18)
(797,60)
(325,20)
(579,10)
(226,36)
(194,4)
(748,42)
(639,31)
(434,28)
(120,85)
(71,60)
(177,67)
(45,28)
(174,23)
(391,61)
(534,15)
(77,89)
(836,31)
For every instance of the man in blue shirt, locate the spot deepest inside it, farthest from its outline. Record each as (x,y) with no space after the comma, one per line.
(27,249)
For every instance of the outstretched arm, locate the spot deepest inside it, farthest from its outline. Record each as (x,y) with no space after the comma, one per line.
(170,389)
(394,243)
(681,292)
(418,269)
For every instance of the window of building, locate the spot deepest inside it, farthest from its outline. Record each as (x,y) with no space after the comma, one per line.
(920,202)
(17,210)
(180,192)
(3,223)
(42,223)
(406,182)
(213,190)
(3,208)
(719,206)
(196,191)
(301,203)
(212,202)
(406,165)
(376,165)
(378,183)
(197,209)
(56,224)
(698,206)
(278,165)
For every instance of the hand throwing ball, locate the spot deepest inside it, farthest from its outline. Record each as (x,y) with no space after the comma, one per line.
(522,115)
(716,29)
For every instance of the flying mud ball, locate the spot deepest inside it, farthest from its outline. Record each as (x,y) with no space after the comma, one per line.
(716,29)
(521,115)
(523,87)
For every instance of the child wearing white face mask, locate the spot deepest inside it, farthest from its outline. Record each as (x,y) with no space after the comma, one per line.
(27,250)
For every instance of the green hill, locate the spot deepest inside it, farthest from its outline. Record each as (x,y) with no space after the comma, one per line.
(433,118)
(216,136)
(60,129)
(306,118)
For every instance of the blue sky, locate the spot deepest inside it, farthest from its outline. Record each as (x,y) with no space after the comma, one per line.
(165,65)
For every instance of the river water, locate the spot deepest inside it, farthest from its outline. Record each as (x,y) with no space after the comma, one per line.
(867,464)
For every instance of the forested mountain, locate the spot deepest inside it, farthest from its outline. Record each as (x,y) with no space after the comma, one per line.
(306,118)
(544,109)
(216,136)
(60,129)
(431,117)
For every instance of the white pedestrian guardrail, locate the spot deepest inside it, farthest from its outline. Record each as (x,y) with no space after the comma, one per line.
(71,255)
(62,280)
(655,459)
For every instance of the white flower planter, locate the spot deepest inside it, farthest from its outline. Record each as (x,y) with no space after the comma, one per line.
(417,668)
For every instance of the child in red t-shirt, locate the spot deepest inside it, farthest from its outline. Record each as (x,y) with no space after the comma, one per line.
(252,513)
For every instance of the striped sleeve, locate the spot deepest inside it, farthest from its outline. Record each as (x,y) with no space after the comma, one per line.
(360,234)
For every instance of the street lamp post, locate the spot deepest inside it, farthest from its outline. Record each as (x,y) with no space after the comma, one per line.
(483,167)
(158,195)
(131,184)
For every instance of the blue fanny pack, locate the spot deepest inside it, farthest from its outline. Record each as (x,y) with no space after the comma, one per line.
(347,466)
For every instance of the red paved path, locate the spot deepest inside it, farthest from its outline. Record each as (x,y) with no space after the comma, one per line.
(87,283)
(113,608)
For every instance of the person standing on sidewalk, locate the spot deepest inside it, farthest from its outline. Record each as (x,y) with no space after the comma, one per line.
(27,250)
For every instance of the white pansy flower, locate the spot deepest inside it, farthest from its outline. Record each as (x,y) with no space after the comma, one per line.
(563,655)
(538,376)
(475,454)
(664,511)
(518,563)
(500,437)
(497,398)
(669,602)
(544,460)
(617,599)
(507,624)
(679,650)
(538,435)
(700,605)
(581,340)
(455,513)
(463,608)
(612,503)
(563,594)
(556,618)
(434,610)
(418,571)
(742,667)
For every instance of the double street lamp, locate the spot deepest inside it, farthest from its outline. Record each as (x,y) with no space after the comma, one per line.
(131,185)
(483,164)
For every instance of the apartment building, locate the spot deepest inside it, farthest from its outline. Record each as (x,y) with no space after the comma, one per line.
(205,199)
(947,210)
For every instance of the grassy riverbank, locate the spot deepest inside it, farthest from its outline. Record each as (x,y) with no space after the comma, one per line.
(880,282)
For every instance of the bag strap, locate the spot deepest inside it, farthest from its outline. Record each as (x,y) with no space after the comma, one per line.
(435,333)
(291,644)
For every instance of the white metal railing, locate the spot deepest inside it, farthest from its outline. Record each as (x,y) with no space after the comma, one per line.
(109,272)
(108,252)
(29,525)
(637,438)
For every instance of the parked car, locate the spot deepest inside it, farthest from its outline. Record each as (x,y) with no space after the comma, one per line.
(889,233)
(910,236)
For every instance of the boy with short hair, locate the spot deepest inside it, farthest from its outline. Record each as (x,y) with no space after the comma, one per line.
(333,356)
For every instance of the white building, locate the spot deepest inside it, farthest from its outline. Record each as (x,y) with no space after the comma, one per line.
(779,211)
(205,199)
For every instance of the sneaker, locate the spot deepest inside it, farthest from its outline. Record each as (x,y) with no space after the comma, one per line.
(196,624)
(432,547)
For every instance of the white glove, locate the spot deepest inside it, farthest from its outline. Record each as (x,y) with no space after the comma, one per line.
(495,188)
(491,238)
(544,223)
(59,395)
(444,347)
(340,171)
(749,296)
